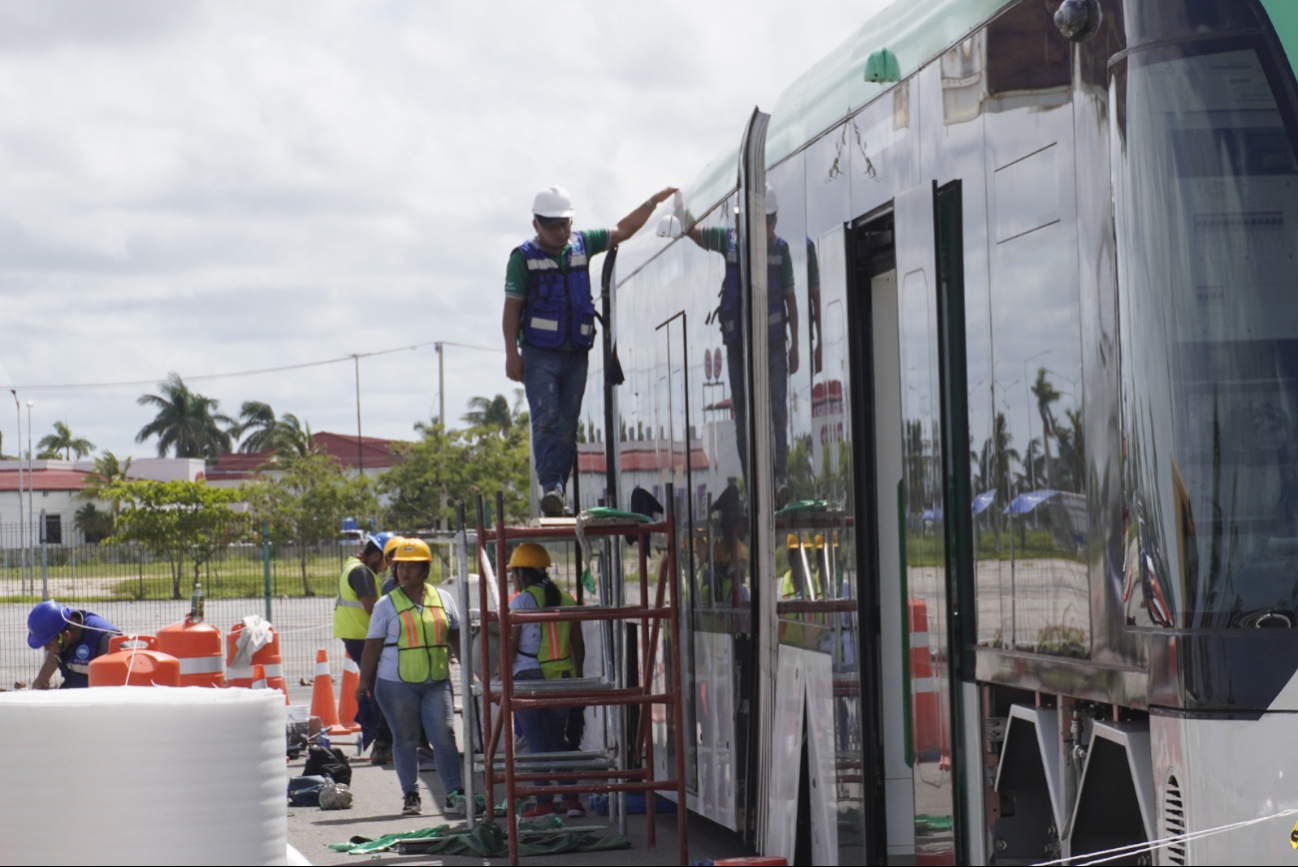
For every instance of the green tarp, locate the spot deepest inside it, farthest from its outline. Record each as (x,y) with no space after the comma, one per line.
(487,839)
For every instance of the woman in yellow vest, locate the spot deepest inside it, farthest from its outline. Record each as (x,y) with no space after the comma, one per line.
(548,651)
(407,665)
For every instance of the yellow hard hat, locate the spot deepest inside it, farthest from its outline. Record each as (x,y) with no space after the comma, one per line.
(529,555)
(792,541)
(721,552)
(392,546)
(412,551)
(820,540)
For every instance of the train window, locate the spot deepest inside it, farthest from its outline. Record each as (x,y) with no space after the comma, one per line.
(1207,208)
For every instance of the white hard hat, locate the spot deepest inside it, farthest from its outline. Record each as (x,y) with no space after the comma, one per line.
(772,203)
(553,202)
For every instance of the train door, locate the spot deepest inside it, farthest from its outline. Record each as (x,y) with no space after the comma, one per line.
(899,317)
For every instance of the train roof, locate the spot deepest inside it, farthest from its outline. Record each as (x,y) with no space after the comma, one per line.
(914,31)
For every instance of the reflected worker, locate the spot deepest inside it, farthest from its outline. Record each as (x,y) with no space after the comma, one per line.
(549,326)
(782,322)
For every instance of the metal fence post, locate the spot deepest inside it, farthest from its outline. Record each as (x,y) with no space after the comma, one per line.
(265,563)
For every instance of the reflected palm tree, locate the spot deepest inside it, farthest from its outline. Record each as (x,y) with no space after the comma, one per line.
(494,413)
(1046,394)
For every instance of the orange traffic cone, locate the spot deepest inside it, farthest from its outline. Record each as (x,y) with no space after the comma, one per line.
(322,697)
(347,699)
(258,677)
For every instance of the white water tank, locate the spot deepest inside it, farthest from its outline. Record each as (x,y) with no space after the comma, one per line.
(140,775)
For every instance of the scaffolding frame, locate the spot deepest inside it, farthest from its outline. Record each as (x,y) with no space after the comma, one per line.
(610,771)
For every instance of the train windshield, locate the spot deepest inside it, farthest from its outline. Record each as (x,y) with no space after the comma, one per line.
(1206,190)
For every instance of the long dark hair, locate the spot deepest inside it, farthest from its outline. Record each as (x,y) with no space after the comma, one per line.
(531,575)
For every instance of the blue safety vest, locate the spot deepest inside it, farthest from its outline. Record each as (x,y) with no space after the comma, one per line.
(559,303)
(74,662)
(731,312)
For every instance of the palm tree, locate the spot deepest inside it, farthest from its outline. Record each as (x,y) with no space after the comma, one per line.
(258,417)
(186,422)
(491,413)
(63,440)
(1046,394)
(109,470)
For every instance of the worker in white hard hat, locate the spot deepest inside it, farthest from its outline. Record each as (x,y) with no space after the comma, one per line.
(549,326)
(782,330)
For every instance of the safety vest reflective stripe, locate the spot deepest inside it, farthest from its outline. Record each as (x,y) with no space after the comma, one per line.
(577,260)
(246,672)
(542,264)
(78,667)
(775,260)
(545,324)
(201,665)
(775,319)
(348,603)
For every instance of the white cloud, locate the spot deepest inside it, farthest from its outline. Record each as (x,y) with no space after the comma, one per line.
(217,186)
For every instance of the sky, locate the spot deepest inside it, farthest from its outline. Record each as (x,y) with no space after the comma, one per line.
(217,186)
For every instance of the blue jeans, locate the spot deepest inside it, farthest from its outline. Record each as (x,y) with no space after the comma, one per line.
(367,710)
(555,382)
(736,365)
(544,730)
(405,705)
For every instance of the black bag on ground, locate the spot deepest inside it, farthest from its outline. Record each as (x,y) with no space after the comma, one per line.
(304,791)
(328,762)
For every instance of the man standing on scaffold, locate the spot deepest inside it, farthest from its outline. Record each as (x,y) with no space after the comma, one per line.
(549,326)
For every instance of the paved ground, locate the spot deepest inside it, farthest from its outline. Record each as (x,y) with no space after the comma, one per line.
(378,803)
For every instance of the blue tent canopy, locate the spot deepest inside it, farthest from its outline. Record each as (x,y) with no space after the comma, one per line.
(1024,503)
(983,500)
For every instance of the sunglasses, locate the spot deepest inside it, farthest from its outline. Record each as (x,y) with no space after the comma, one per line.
(553,222)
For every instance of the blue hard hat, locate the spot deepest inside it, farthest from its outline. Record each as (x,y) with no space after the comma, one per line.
(381,539)
(47,620)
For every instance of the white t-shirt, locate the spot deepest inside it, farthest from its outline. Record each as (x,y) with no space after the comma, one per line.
(531,640)
(385,624)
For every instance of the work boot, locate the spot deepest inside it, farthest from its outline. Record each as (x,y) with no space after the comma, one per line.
(552,502)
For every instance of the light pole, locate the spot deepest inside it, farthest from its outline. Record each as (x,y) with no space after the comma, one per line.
(22,573)
(31,487)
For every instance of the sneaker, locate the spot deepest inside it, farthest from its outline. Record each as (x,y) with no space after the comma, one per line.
(455,803)
(574,808)
(381,754)
(552,503)
(412,806)
(542,809)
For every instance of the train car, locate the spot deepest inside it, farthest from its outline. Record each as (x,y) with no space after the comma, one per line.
(974,367)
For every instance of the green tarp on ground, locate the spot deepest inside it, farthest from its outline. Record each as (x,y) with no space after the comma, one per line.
(487,839)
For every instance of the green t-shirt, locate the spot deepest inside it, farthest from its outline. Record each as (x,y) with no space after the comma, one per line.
(595,241)
(717,239)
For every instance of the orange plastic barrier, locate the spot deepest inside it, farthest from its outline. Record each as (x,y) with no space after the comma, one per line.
(322,696)
(134,660)
(268,658)
(347,697)
(258,677)
(926,701)
(199,648)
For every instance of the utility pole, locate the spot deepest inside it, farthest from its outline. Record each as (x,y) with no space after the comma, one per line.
(360,457)
(441,386)
(22,573)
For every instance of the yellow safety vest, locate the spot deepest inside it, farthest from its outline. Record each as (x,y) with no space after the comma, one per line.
(553,654)
(423,649)
(351,620)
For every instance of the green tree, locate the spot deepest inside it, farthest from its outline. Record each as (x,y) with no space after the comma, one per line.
(305,503)
(63,440)
(179,520)
(460,464)
(495,413)
(187,423)
(109,471)
(93,524)
(1045,393)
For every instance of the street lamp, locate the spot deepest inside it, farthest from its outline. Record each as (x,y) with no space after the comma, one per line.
(18,408)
